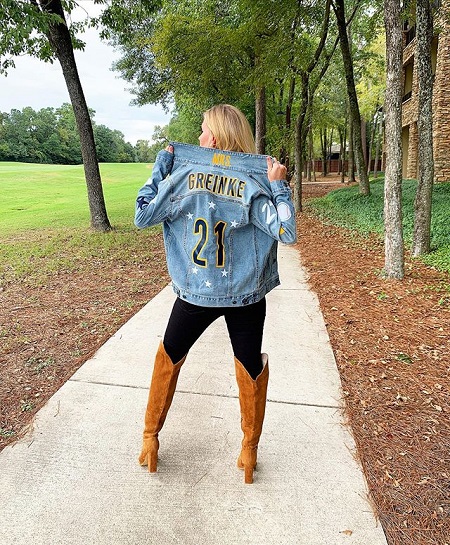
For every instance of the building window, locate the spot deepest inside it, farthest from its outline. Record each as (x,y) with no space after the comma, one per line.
(410,34)
(408,79)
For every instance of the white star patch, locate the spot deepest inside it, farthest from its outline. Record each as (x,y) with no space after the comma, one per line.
(211,205)
(207,283)
(224,273)
(194,270)
(189,215)
(234,223)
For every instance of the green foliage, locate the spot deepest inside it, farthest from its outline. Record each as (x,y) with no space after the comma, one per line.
(50,136)
(24,27)
(349,209)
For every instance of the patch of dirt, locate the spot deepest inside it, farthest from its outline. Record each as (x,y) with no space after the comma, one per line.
(390,340)
(47,333)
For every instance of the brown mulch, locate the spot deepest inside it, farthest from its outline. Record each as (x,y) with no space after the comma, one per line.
(390,340)
(392,347)
(48,332)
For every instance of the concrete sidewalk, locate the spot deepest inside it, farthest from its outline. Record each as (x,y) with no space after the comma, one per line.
(74,479)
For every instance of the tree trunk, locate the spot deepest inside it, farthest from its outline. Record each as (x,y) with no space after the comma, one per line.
(260,121)
(373,133)
(355,116)
(298,168)
(59,38)
(323,146)
(364,140)
(300,143)
(422,205)
(310,163)
(378,145)
(306,98)
(330,148)
(342,154)
(351,154)
(284,155)
(393,238)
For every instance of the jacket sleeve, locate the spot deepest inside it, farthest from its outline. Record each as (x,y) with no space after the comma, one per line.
(153,204)
(275,214)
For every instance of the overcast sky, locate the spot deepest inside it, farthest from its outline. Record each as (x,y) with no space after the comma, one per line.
(40,85)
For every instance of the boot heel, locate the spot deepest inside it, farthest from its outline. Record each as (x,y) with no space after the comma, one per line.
(149,454)
(152,461)
(248,475)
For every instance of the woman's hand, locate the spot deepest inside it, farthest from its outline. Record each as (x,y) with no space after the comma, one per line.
(169,149)
(275,170)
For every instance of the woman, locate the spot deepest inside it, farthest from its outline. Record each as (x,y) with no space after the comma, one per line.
(223,210)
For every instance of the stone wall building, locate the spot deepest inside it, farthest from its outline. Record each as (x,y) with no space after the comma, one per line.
(440,57)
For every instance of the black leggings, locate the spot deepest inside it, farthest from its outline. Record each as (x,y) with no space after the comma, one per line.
(245,328)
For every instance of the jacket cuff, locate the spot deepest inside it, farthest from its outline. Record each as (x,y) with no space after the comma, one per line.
(165,157)
(280,186)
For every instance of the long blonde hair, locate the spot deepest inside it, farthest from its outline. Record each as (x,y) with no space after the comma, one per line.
(230,128)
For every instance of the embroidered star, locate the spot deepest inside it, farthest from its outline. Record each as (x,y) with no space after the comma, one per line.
(211,205)
(234,223)
(195,270)
(142,203)
(189,216)
(207,283)
(224,273)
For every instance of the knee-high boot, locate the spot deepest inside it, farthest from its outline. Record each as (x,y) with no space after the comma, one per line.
(252,400)
(162,388)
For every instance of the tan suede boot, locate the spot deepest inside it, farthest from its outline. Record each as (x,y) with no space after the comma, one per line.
(162,388)
(252,400)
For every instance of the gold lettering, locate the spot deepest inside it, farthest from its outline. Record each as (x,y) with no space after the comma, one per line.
(200,181)
(231,190)
(209,180)
(240,190)
(221,159)
(221,185)
(214,183)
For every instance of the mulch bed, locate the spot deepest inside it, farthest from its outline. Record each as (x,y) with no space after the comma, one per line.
(392,347)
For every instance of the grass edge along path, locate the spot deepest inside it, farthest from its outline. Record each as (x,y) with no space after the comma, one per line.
(346,207)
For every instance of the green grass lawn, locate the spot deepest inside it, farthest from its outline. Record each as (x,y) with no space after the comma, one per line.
(54,196)
(44,219)
(364,214)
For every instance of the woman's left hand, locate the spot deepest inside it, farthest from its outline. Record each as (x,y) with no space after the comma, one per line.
(275,170)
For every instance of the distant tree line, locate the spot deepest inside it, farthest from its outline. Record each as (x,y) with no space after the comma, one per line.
(50,136)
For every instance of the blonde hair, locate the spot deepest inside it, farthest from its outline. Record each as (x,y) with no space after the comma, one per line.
(230,128)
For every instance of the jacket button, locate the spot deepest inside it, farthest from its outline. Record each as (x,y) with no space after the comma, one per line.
(234,302)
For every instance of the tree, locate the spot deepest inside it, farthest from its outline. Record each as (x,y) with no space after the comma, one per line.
(39,28)
(308,89)
(393,237)
(111,146)
(68,135)
(422,205)
(355,117)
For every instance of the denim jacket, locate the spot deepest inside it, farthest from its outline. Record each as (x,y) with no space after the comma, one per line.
(222,219)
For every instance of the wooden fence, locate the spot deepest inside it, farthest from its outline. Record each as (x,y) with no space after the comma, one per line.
(334,165)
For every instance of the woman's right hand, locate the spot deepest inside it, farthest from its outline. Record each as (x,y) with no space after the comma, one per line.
(275,170)
(169,148)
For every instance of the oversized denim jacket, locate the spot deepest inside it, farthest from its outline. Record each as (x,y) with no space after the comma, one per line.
(222,219)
